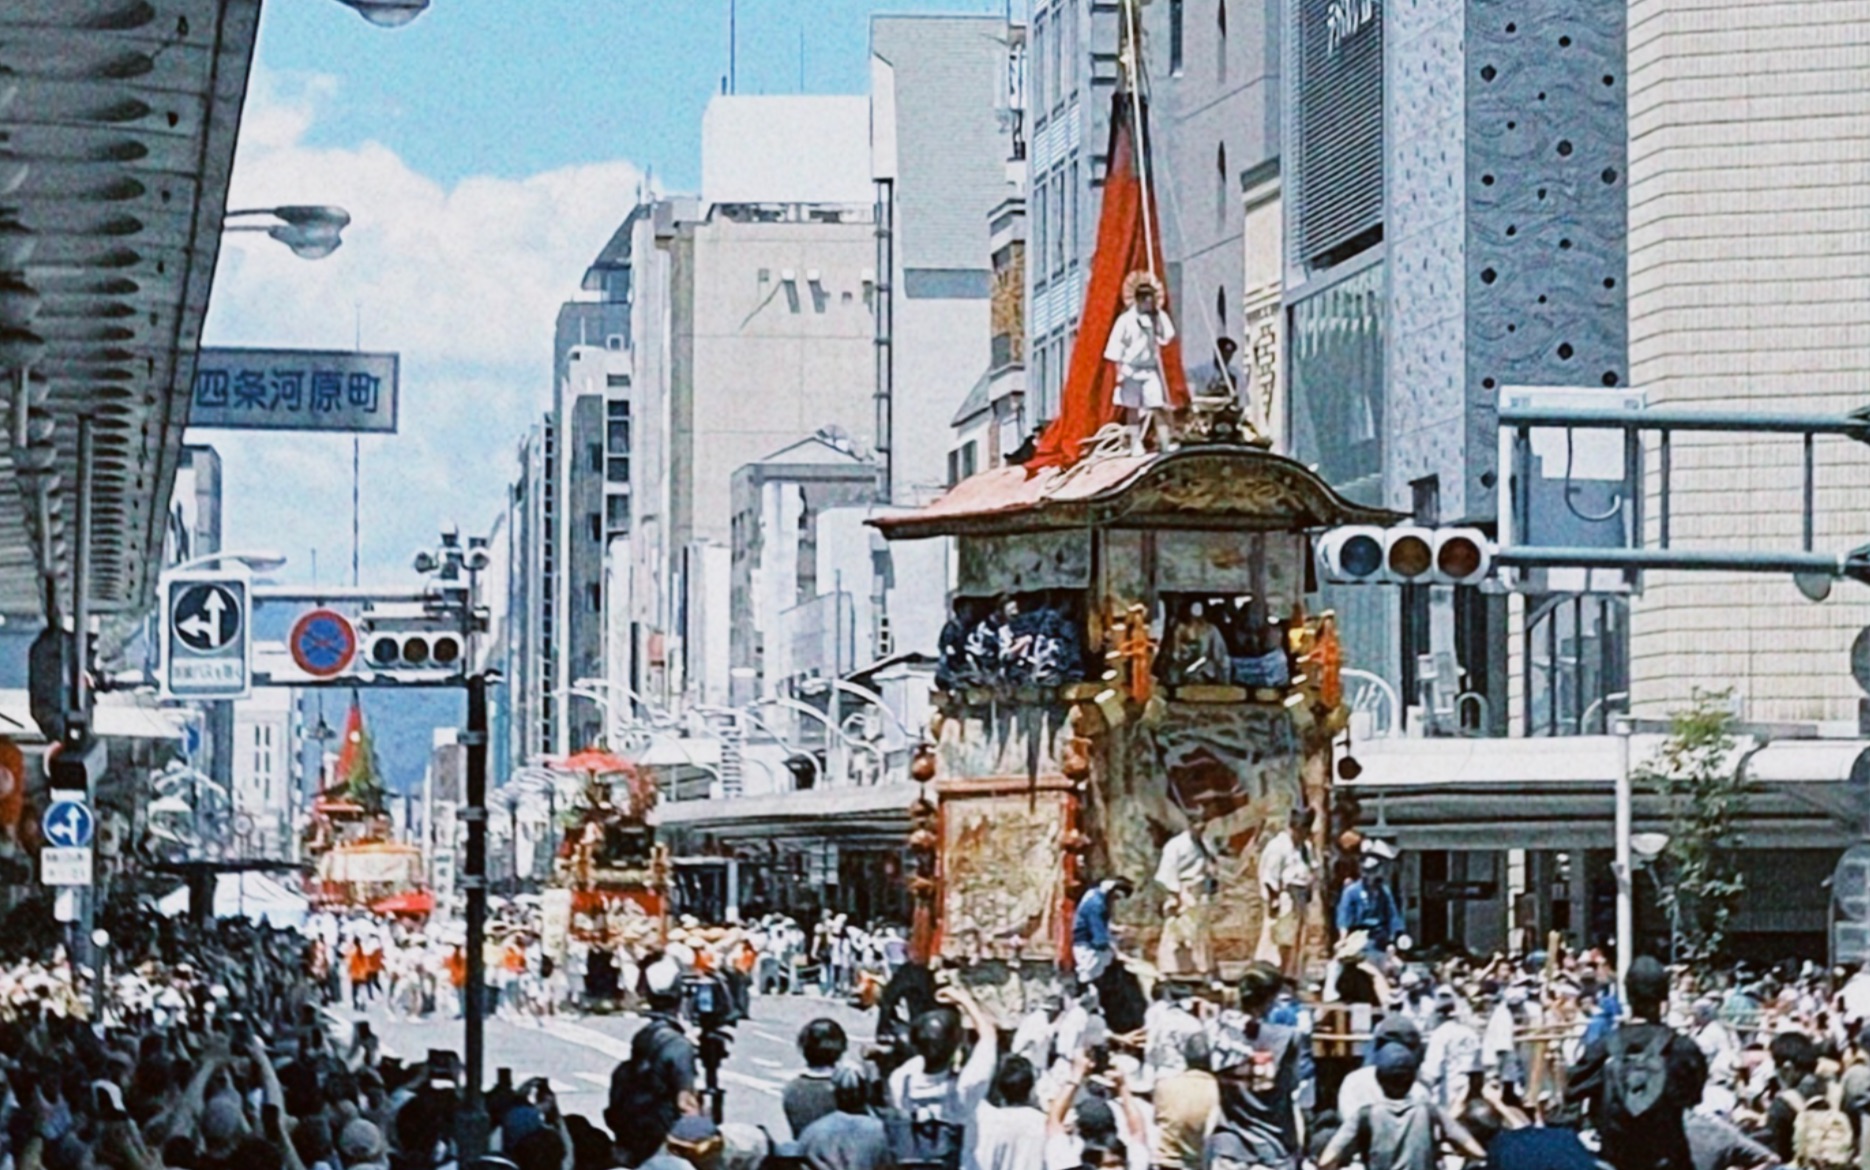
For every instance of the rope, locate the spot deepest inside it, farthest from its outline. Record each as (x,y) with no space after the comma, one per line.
(1139,87)
(1141,145)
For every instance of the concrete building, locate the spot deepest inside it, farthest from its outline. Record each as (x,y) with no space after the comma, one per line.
(1747,291)
(777,504)
(1648,202)
(532,623)
(946,146)
(754,328)
(1214,73)
(265,735)
(1071,74)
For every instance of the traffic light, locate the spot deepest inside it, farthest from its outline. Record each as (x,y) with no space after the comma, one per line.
(1408,554)
(412,643)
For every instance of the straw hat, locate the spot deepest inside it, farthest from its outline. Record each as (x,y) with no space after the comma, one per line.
(1137,280)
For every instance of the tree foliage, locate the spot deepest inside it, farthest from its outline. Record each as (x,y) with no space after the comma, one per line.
(1695,772)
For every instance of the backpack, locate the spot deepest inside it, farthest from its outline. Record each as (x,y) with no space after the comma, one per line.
(1637,1074)
(1821,1135)
(923,1143)
(640,1110)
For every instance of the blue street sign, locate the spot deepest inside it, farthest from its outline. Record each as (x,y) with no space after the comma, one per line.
(191,739)
(294,390)
(69,824)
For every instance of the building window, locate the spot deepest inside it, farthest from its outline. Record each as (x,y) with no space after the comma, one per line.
(617,469)
(1220,310)
(594,595)
(1058,60)
(1041,226)
(617,381)
(1077,225)
(596,520)
(617,512)
(1336,379)
(1222,191)
(1039,46)
(594,455)
(1175,37)
(1072,50)
(1058,221)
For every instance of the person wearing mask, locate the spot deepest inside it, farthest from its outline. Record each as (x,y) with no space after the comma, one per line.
(655,1086)
(809,1096)
(1641,1079)
(1009,1128)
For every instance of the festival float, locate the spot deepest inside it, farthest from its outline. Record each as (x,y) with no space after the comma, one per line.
(356,862)
(610,876)
(1130,658)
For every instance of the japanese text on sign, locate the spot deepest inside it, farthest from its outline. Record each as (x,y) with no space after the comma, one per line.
(295,390)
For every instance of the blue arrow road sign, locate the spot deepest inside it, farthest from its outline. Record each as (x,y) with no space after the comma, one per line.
(69,824)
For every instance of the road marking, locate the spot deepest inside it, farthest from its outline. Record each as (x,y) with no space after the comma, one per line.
(764,1063)
(757,1084)
(590,1038)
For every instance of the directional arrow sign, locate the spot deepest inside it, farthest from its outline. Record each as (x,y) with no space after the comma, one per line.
(207,642)
(69,824)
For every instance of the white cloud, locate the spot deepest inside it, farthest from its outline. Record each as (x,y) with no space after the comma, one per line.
(465,282)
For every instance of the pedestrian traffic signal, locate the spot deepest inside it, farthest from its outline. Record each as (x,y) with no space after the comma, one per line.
(1408,554)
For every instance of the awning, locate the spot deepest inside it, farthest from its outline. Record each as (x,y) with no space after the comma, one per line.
(120,123)
(250,895)
(881,811)
(138,721)
(1560,792)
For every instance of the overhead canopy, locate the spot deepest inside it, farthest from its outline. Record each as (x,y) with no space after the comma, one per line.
(1208,486)
(1560,792)
(246,895)
(120,119)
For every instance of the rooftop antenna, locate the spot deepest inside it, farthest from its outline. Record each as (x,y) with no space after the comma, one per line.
(733,46)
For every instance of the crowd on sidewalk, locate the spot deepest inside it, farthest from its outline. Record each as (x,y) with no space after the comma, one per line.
(215,1053)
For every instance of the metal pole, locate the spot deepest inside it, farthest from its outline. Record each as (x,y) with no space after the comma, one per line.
(80,691)
(472,1138)
(1626,924)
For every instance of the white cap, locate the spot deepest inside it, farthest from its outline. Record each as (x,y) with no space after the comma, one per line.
(663,976)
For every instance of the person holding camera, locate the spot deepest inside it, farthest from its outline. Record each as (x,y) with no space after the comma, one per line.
(656,1086)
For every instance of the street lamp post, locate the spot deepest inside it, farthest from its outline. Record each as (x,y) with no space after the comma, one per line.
(312,231)
(1626,917)
(387,13)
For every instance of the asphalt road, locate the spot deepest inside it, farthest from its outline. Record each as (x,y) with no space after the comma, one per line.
(579,1052)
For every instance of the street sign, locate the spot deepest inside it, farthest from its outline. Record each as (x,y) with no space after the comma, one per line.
(191,739)
(295,390)
(59,866)
(69,824)
(207,639)
(323,643)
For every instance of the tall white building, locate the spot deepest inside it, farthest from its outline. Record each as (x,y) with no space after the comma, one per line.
(263,770)
(753,328)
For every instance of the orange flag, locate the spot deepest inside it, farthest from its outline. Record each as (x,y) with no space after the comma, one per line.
(1087,401)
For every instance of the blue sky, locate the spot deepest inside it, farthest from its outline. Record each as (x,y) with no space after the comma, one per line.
(514,87)
(485,153)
